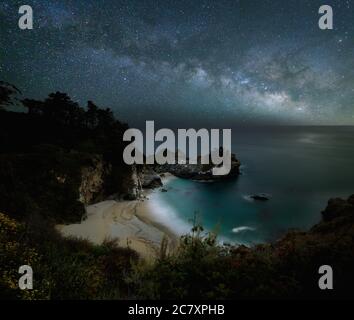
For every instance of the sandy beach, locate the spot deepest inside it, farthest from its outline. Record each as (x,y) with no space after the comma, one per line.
(130,222)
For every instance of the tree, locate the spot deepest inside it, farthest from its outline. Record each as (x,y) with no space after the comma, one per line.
(105,118)
(7,91)
(34,107)
(91,115)
(60,108)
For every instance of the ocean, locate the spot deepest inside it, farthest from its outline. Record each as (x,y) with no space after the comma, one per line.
(301,168)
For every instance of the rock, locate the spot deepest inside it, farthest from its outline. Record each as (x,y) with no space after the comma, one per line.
(128,186)
(134,185)
(260,197)
(92,179)
(338,208)
(164,190)
(150,179)
(199,172)
(351,199)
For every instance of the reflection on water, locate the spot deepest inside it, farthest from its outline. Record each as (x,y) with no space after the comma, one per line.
(301,167)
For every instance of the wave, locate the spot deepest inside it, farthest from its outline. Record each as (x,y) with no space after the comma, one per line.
(242,229)
(167,215)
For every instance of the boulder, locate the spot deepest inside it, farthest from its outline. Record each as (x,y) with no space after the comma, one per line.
(150,179)
(260,197)
(199,171)
(338,207)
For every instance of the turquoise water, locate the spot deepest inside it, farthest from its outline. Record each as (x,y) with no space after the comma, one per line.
(301,167)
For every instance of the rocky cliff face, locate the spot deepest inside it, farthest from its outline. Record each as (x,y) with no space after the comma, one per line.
(133,184)
(338,208)
(92,180)
(141,178)
(129,187)
(150,179)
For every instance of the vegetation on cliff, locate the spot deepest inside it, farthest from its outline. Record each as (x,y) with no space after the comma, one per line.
(44,153)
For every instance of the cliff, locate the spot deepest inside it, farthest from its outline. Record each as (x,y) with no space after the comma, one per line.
(93,177)
(56,184)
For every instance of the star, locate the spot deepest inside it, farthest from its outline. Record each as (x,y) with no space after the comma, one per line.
(203,61)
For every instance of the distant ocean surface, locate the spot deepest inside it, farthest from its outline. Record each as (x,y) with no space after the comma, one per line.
(300,167)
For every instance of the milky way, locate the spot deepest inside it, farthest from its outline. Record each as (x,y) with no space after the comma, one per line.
(217,63)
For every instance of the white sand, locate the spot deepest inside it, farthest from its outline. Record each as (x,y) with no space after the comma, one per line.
(131,222)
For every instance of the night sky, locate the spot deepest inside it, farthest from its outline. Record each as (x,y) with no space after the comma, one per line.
(212,63)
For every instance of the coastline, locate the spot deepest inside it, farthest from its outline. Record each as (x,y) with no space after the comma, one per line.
(132,223)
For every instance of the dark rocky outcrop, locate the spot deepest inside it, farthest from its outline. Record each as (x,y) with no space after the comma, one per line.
(199,171)
(133,184)
(260,197)
(93,178)
(139,178)
(338,207)
(150,179)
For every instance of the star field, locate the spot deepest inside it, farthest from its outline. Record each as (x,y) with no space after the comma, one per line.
(215,63)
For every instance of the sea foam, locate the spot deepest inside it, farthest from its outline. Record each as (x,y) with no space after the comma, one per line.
(242,229)
(165,214)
